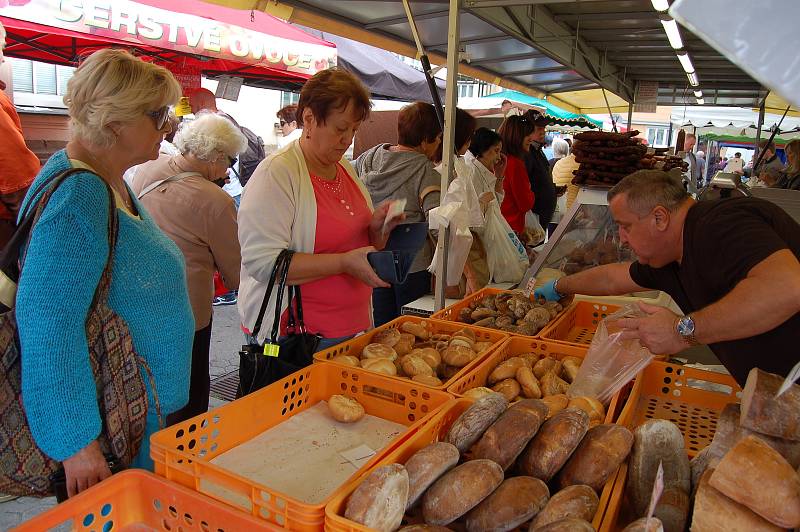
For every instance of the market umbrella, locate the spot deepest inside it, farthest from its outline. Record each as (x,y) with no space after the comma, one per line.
(557,114)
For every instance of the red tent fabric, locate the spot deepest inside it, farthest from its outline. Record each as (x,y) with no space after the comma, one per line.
(187,36)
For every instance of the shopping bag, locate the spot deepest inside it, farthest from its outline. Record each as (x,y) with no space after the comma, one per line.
(534,232)
(611,361)
(505,254)
(454,216)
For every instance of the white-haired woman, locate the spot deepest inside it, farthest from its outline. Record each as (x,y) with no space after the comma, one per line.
(119,109)
(182,193)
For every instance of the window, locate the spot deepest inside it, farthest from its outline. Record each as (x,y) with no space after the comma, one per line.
(466,90)
(657,136)
(288,98)
(40,78)
(23,74)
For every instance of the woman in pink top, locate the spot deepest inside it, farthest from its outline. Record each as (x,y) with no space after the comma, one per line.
(305,197)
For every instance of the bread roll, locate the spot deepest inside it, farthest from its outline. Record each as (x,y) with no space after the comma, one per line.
(546,365)
(405,345)
(380,501)
(345,409)
(474,421)
(570,367)
(462,341)
(645,525)
(457,356)
(569,524)
(514,502)
(388,337)
(552,384)
(505,370)
(507,437)
(431,356)
(757,476)
(510,389)
(347,360)
(555,404)
(528,383)
(554,443)
(714,512)
(597,457)
(459,490)
(591,406)
(427,380)
(426,466)
(477,393)
(379,365)
(413,365)
(378,351)
(574,502)
(530,359)
(417,329)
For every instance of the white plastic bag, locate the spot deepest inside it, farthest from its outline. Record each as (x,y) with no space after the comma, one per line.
(533,228)
(454,216)
(505,254)
(611,362)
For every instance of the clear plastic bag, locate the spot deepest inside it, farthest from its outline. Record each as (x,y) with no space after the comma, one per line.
(611,362)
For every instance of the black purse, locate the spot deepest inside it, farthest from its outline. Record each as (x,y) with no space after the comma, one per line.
(261,365)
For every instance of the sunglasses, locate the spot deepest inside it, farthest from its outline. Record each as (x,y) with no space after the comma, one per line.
(283,122)
(159,116)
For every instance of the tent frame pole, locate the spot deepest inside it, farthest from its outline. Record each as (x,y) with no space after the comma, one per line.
(757,152)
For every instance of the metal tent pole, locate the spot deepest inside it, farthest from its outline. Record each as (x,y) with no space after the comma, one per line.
(630,115)
(757,152)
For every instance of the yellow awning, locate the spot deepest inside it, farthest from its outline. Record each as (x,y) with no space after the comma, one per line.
(589,101)
(776,104)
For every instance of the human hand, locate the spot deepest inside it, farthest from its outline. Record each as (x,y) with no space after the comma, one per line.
(500,166)
(355,264)
(547,291)
(85,468)
(657,331)
(377,235)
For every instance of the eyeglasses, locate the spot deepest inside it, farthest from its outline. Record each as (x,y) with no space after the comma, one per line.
(159,116)
(282,122)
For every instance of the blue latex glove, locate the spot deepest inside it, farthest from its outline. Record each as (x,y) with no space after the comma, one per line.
(547,291)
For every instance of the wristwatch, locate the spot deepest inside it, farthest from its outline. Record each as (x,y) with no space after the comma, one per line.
(685,329)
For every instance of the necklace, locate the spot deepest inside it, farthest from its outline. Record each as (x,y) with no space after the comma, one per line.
(336,188)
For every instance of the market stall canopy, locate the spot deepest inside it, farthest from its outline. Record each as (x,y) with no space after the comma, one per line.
(186,36)
(559,116)
(746,140)
(385,75)
(544,48)
(729,119)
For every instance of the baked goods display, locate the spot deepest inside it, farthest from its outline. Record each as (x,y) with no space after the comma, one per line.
(511,312)
(416,351)
(476,479)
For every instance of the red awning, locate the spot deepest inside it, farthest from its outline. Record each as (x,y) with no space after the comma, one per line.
(189,38)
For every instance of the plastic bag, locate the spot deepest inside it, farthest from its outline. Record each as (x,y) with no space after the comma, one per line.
(610,362)
(534,231)
(505,254)
(454,216)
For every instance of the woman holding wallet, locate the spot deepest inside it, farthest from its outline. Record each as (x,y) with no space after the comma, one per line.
(307,198)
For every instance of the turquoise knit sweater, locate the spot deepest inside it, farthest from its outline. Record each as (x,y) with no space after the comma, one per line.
(65,259)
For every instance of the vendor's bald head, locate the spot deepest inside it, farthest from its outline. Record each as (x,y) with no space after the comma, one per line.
(650,207)
(202,99)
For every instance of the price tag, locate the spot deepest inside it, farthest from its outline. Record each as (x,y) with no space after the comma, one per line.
(790,380)
(658,489)
(271,350)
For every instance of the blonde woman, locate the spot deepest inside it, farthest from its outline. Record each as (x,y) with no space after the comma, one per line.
(183,194)
(119,110)
(790,179)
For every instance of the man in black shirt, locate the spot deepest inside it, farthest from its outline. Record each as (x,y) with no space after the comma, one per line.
(731,265)
(539,173)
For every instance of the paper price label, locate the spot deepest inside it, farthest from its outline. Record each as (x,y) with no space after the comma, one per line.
(658,489)
(790,380)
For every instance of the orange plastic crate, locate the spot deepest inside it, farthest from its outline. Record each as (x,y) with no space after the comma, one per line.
(357,344)
(182,452)
(672,392)
(142,501)
(451,313)
(518,345)
(434,430)
(578,323)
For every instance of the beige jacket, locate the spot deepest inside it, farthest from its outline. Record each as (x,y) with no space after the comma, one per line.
(278,211)
(200,218)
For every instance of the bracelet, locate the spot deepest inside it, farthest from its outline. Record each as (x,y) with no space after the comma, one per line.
(555,288)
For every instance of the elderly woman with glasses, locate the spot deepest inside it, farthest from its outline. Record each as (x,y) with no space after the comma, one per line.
(119,110)
(183,195)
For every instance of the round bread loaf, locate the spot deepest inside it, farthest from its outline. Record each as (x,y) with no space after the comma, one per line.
(457,355)
(554,443)
(379,365)
(413,365)
(422,527)
(575,502)
(345,409)
(388,337)
(459,490)
(644,524)
(426,466)
(417,329)
(597,457)
(378,351)
(507,437)
(474,421)
(380,501)
(569,524)
(514,502)
(348,360)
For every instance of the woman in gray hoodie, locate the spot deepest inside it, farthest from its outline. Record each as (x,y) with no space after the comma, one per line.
(405,171)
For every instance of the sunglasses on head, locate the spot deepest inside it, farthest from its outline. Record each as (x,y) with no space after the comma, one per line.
(159,116)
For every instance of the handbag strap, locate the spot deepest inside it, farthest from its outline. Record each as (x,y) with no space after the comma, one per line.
(284,274)
(170,179)
(276,268)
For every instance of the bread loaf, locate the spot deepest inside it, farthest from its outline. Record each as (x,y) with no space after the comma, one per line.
(505,370)
(576,502)
(644,524)
(672,509)
(459,490)
(471,424)
(426,466)
(507,437)
(380,501)
(714,512)
(514,502)
(569,524)
(597,457)
(555,404)
(554,443)
(656,441)
(345,409)
(729,432)
(698,465)
(755,475)
(528,383)
(764,413)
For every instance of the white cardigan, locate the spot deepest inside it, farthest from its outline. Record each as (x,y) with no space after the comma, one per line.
(278,211)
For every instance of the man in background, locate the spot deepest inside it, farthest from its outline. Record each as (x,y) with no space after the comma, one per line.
(18,164)
(694,171)
(735,164)
(541,178)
